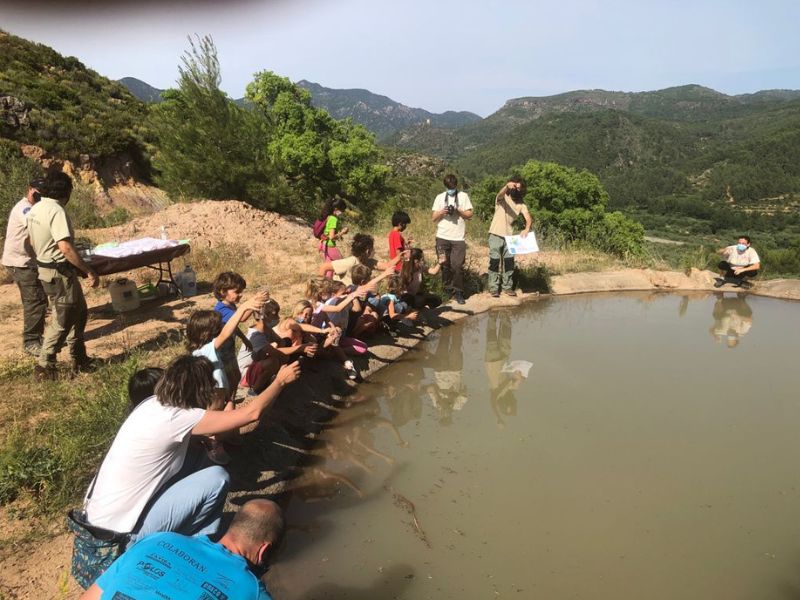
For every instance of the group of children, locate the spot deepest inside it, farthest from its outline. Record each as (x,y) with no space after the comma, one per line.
(333,322)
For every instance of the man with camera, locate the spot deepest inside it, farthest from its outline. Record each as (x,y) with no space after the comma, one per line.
(450,209)
(60,265)
(507,207)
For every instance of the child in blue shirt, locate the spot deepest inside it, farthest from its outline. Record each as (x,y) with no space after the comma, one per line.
(228,288)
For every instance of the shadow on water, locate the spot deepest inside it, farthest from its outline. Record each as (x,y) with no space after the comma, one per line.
(390,584)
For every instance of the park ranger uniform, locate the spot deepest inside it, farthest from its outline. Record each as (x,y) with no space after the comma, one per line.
(48,224)
(21,264)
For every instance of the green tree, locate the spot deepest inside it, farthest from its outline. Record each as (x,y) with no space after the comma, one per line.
(319,156)
(205,145)
(16,172)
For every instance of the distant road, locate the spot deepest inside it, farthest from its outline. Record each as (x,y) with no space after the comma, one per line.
(656,240)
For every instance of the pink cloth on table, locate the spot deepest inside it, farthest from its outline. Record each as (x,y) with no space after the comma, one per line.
(140,246)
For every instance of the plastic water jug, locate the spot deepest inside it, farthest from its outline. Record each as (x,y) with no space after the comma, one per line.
(186,281)
(124,295)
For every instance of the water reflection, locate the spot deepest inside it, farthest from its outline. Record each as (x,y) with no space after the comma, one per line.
(503,375)
(447,390)
(733,319)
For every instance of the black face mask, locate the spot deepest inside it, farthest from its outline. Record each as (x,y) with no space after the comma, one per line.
(516,195)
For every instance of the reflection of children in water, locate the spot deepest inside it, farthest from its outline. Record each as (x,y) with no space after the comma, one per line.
(448,392)
(503,378)
(733,318)
(403,398)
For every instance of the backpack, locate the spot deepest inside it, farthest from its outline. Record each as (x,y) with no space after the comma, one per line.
(319,227)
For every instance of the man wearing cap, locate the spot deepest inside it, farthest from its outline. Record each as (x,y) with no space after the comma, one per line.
(19,259)
(59,264)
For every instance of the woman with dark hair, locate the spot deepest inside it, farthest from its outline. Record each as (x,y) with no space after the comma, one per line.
(152,479)
(363,253)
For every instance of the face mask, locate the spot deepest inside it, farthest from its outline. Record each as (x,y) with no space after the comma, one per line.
(300,320)
(451,192)
(272,322)
(741,247)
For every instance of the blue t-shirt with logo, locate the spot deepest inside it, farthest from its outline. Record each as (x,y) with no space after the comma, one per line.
(170,566)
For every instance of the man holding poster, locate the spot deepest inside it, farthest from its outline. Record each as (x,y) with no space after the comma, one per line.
(508,206)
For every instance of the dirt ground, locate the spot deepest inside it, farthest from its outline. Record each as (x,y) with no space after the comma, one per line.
(278,252)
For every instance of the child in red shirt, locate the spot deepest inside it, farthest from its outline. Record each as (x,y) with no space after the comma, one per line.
(397,243)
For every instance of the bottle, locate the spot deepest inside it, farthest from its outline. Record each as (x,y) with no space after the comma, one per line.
(188,282)
(164,235)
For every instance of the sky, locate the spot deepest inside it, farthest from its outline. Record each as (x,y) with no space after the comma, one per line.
(435,54)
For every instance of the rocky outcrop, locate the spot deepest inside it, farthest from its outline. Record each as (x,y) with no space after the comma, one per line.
(14,114)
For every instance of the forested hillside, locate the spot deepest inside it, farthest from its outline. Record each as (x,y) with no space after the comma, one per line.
(57,103)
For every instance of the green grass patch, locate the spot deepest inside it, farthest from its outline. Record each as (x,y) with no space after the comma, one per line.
(53,444)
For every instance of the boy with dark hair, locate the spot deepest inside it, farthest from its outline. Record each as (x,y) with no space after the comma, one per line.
(397,243)
(228,289)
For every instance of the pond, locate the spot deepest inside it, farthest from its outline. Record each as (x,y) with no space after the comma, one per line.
(625,446)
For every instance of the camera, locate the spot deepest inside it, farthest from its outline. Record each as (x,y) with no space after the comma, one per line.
(450,208)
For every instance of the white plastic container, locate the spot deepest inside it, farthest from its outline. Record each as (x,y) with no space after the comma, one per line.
(186,281)
(124,295)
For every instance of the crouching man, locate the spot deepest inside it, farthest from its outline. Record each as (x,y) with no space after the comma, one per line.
(170,565)
(741,262)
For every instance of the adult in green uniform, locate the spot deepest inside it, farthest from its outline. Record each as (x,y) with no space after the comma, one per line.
(59,265)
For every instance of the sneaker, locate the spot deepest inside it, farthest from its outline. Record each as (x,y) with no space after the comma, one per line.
(746,284)
(350,369)
(33,348)
(719,282)
(49,373)
(495,294)
(511,293)
(459,297)
(216,452)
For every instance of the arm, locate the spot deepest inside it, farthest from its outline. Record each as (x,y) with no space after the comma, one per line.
(528,222)
(753,267)
(324,268)
(67,248)
(232,326)
(243,337)
(219,421)
(390,264)
(93,593)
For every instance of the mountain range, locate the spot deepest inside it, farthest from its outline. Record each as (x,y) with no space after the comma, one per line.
(380,114)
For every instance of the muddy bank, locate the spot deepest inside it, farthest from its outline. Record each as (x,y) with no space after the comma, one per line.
(650,280)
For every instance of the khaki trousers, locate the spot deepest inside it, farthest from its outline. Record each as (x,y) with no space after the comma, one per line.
(68,319)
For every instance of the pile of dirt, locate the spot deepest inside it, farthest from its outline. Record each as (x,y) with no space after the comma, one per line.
(212,223)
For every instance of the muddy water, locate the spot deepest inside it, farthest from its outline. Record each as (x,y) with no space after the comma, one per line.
(594,447)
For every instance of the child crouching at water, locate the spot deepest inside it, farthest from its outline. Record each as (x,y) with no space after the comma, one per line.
(205,335)
(412,281)
(391,308)
(269,349)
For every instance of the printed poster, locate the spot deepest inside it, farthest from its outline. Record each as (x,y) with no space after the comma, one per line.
(522,245)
